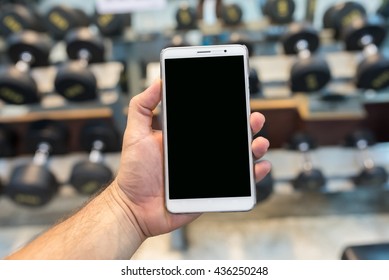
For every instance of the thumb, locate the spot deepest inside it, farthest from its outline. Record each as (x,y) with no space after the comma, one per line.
(140,111)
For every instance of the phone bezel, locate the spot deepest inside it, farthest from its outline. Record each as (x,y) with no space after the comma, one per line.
(223,204)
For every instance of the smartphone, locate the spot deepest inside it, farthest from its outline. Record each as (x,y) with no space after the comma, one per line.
(208,162)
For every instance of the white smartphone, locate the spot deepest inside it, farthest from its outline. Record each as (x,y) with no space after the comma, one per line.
(208,162)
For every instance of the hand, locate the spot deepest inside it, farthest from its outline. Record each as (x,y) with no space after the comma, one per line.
(140,177)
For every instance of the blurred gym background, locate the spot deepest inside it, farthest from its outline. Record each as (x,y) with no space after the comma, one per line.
(319,74)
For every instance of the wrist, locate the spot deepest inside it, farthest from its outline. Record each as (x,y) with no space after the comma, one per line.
(119,205)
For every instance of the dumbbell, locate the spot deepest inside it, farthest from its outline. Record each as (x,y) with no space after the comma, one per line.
(265,188)
(60,19)
(74,80)
(111,25)
(309,73)
(15,18)
(33,184)
(310,178)
(339,15)
(231,14)
(370,174)
(279,12)
(26,49)
(186,17)
(88,176)
(367,34)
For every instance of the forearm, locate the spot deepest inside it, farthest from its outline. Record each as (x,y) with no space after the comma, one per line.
(103,229)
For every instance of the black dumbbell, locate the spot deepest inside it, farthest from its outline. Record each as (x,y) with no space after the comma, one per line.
(74,80)
(33,184)
(25,49)
(15,18)
(88,176)
(186,17)
(309,73)
(232,14)
(310,178)
(367,34)
(111,25)
(265,188)
(339,15)
(370,174)
(279,12)
(60,19)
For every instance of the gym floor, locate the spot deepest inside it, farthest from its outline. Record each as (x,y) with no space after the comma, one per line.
(289,225)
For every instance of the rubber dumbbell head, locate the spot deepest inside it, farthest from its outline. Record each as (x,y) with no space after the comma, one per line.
(36,44)
(309,73)
(74,80)
(34,184)
(31,185)
(232,14)
(368,34)
(25,49)
(84,38)
(88,176)
(186,17)
(15,18)
(61,19)
(54,133)
(296,33)
(310,178)
(112,24)
(340,15)
(373,26)
(370,175)
(279,11)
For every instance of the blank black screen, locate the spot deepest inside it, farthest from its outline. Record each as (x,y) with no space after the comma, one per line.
(207,128)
